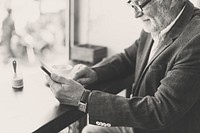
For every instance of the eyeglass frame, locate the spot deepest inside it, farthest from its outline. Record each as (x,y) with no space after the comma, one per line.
(139,8)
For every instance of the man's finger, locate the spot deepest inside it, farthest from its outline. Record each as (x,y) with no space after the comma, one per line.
(83,81)
(78,71)
(54,86)
(58,78)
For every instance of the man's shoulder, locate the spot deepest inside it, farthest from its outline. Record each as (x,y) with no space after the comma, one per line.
(196,11)
(194,24)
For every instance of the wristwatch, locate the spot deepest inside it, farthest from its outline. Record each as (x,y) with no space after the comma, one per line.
(82,104)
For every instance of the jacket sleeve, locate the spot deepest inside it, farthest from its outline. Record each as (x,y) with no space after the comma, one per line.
(119,65)
(177,94)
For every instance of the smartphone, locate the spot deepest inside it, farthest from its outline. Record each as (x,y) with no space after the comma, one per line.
(45,68)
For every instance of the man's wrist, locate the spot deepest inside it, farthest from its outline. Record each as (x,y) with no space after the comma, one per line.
(82,104)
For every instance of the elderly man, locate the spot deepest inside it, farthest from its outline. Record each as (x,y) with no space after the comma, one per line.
(165,62)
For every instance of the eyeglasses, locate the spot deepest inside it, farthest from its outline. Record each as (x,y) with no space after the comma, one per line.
(137,7)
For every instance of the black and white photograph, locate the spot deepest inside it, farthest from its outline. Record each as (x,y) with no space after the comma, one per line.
(100,66)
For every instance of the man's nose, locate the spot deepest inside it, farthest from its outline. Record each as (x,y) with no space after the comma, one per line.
(137,14)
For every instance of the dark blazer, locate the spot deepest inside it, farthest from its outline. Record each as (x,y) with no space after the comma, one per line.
(166,91)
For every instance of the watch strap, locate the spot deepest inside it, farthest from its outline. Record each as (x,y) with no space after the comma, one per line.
(82,104)
(84,96)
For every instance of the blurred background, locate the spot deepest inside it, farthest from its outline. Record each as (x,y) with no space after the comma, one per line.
(31,28)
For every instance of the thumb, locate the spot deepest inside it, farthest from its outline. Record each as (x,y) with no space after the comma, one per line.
(84,81)
(58,78)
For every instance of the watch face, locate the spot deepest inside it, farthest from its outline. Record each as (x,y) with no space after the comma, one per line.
(82,107)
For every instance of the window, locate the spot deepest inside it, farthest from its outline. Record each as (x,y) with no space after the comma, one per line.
(32,29)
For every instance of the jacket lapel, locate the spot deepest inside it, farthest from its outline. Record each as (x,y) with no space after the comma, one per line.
(163,45)
(162,48)
(145,55)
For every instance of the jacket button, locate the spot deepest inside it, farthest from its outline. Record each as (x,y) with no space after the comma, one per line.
(97,123)
(103,124)
(108,125)
(100,123)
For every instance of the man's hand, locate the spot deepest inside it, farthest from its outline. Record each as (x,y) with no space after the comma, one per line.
(83,74)
(67,91)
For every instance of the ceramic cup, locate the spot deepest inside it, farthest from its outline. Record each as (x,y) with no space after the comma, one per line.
(62,70)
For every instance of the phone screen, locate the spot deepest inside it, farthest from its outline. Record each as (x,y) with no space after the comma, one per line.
(45,69)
